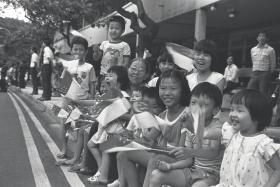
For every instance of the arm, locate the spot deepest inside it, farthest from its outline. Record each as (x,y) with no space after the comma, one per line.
(210,152)
(92,89)
(274,163)
(125,61)
(85,102)
(92,80)
(272,60)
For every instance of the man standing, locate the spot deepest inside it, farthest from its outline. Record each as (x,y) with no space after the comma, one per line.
(231,75)
(34,64)
(47,70)
(264,62)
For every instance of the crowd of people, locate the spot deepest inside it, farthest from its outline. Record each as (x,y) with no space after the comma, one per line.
(235,152)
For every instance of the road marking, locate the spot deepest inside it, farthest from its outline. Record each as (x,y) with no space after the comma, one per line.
(72,178)
(39,174)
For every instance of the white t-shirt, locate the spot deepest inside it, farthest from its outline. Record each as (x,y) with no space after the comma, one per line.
(214,78)
(153,82)
(113,54)
(85,75)
(34,60)
(231,73)
(48,54)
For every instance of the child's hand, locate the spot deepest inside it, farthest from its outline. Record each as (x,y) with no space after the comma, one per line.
(180,153)
(139,107)
(163,166)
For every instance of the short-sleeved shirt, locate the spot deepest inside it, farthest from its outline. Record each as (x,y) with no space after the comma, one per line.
(263,58)
(34,60)
(214,78)
(86,75)
(113,54)
(48,54)
(231,73)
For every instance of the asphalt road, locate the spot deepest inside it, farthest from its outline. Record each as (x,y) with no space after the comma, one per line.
(29,143)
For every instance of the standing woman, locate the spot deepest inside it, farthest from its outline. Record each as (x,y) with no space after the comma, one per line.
(34,63)
(204,61)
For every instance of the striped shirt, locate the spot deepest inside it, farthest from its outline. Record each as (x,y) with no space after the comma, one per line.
(263,58)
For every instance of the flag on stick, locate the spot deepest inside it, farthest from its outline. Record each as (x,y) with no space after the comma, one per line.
(59,112)
(182,56)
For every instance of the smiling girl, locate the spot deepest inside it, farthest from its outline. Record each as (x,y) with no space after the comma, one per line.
(251,158)
(175,94)
(204,61)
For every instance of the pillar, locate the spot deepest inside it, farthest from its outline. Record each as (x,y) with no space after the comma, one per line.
(200,24)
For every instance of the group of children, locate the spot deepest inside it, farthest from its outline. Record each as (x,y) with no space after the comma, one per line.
(206,153)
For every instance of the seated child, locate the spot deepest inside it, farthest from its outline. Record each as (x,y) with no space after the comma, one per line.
(174,93)
(251,158)
(152,103)
(194,164)
(116,78)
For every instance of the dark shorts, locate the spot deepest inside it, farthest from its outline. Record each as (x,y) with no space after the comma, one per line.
(197,174)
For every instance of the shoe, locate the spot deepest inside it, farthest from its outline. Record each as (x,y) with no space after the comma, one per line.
(63,163)
(61,155)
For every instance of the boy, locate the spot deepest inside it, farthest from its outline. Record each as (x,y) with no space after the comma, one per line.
(204,169)
(85,76)
(115,51)
(165,63)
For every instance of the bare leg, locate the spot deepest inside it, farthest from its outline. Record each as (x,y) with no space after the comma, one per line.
(174,178)
(95,152)
(128,161)
(104,168)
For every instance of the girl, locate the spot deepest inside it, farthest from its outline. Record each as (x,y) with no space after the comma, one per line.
(204,61)
(115,78)
(175,94)
(251,158)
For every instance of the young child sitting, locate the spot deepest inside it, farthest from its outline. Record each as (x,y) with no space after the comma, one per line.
(193,165)
(251,158)
(174,93)
(116,78)
(115,51)
(152,103)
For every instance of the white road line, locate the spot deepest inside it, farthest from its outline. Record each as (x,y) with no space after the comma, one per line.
(39,174)
(72,178)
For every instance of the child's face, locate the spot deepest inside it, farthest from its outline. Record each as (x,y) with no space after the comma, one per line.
(78,49)
(165,66)
(202,61)
(153,105)
(104,87)
(136,96)
(240,118)
(112,80)
(170,92)
(115,30)
(205,102)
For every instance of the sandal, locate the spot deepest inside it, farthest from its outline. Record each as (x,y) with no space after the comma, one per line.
(94,177)
(96,181)
(62,163)
(61,155)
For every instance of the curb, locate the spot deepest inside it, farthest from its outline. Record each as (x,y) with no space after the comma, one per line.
(39,105)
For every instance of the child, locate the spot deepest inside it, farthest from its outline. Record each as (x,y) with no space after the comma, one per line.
(115,51)
(116,78)
(204,62)
(174,92)
(85,73)
(165,63)
(251,158)
(194,165)
(154,105)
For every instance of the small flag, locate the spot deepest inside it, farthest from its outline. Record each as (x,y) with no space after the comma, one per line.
(59,112)
(74,115)
(182,56)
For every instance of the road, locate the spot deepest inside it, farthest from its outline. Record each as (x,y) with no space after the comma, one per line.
(29,143)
